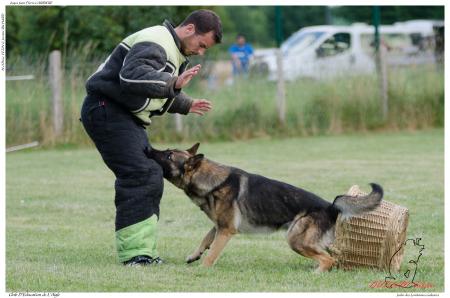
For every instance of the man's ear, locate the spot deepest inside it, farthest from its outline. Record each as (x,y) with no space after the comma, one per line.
(189,29)
(193,149)
(194,161)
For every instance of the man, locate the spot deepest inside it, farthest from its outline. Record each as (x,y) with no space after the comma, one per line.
(241,52)
(142,78)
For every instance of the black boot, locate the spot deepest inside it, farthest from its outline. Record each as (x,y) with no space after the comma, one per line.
(143,261)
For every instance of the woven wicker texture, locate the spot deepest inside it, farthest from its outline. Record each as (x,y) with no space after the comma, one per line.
(373,239)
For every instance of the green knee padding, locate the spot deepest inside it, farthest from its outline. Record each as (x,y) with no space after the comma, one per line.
(138,239)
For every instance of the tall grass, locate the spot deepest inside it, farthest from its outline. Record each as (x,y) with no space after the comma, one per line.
(244,110)
(28,103)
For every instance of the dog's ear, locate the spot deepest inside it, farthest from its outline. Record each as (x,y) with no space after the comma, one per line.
(193,162)
(193,149)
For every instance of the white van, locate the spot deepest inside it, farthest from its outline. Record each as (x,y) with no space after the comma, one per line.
(327,51)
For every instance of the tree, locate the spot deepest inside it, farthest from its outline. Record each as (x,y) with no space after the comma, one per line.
(389,14)
(37,30)
(43,29)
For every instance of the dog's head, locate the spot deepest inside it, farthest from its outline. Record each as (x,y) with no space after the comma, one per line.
(176,164)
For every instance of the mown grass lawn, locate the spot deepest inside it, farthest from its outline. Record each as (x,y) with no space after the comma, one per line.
(60,217)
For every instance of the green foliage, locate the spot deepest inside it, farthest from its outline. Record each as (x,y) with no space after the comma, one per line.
(59,234)
(252,21)
(61,27)
(38,29)
(298,17)
(389,14)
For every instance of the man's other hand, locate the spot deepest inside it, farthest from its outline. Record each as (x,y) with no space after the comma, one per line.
(200,106)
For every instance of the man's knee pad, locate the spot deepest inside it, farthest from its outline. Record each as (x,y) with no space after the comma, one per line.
(137,198)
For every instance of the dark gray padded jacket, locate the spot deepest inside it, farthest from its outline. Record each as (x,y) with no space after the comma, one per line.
(141,72)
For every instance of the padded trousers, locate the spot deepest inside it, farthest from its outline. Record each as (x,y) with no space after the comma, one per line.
(139,181)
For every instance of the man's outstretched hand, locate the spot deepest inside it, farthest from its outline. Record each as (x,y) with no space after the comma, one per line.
(200,106)
(186,76)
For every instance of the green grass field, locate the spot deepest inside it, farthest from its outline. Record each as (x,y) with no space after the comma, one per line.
(60,217)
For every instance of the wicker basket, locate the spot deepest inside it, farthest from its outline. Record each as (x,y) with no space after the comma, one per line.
(373,239)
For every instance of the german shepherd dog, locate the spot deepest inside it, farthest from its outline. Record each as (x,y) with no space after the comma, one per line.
(237,201)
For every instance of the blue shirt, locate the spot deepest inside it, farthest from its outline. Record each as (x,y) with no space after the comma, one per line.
(243,53)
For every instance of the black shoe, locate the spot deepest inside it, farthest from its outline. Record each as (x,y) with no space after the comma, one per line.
(143,261)
(157,261)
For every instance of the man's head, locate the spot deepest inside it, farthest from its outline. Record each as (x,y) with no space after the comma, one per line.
(240,39)
(199,31)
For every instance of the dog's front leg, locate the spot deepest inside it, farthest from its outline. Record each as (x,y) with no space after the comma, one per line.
(206,242)
(220,240)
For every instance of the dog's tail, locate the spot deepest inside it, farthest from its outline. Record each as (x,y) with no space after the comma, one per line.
(350,206)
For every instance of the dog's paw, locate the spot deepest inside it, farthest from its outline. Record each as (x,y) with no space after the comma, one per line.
(207,263)
(193,258)
(319,270)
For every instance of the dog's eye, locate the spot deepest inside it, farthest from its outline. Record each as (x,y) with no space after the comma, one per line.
(169,157)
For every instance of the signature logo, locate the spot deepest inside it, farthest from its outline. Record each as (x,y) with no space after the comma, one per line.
(406,278)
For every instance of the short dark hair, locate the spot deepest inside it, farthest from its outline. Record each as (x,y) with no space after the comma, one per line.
(205,21)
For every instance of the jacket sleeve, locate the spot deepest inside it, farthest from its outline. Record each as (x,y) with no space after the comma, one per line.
(142,72)
(181,104)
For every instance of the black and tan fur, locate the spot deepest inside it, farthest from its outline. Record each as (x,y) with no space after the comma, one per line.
(239,202)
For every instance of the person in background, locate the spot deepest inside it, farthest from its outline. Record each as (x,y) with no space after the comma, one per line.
(241,54)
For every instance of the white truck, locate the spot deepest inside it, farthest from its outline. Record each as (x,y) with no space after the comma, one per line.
(327,51)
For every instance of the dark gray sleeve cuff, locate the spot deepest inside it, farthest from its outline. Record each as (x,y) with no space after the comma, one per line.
(181,104)
(171,91)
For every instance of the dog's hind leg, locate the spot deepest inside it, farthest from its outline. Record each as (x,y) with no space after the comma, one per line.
(220,240)
(206,242)
(306,238)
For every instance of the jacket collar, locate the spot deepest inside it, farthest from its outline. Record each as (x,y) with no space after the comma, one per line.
(169,26)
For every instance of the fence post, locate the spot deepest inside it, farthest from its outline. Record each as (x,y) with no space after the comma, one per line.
(55,78)
(178,124)
(381,64)
(384,81)
(281,90)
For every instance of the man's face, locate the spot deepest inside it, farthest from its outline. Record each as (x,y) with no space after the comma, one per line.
(240,40)
(197,44)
